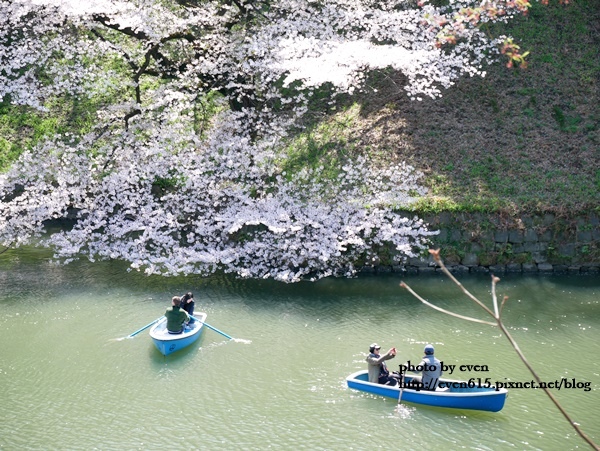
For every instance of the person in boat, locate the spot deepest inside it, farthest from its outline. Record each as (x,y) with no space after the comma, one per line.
(177,318)
(378,372)
(431,369)
(188,304)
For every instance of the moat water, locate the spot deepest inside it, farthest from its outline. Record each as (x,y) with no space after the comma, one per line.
(69,382)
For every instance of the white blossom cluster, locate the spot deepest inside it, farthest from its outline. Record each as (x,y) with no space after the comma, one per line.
(226,211)
(151,186)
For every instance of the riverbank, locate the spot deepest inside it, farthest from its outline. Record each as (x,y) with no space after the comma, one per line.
(496,243)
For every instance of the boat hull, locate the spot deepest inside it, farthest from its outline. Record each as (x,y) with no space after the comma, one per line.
(454,395)
(168,343)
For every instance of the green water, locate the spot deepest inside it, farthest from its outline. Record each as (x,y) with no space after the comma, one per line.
(66,383)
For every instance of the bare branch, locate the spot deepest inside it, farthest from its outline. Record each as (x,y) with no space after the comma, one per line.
(502,305)
(435,307)
(106,21)
(496,314)
(6,248)
(495,280)
(543,387)
(436,256)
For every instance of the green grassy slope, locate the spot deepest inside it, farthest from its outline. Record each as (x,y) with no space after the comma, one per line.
(515,140)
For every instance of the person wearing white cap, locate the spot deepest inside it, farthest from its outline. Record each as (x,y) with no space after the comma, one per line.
(378,372)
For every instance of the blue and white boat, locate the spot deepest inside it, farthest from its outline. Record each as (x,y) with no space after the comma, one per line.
(169,343)
(450,393)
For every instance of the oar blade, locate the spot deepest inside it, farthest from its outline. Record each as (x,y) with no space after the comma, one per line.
(139,330)
(213,328)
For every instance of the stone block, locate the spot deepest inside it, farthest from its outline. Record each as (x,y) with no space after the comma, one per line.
(460,268)
(564,236)
(442,237)
(584,236)
(470,259)
(456,235)
(445,218)
(515,236)
(518,249)
(527,221)
(418,262)
(514,267)
(529,267)
(530,236)
(426,269)
(567,250)
(487,236)
(561,269)
(590,268)
(548,219)
(501,236)
(531,247)
(538,257)
(545,267)
(475,247)
(498,269)
(479,269)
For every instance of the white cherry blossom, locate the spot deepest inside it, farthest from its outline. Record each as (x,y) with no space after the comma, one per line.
(184,171)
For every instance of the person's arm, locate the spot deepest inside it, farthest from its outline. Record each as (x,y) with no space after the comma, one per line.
(414,367)
(377,360)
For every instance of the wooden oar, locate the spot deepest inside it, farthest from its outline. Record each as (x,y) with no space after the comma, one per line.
(211,327)
(142,329)
(401,385)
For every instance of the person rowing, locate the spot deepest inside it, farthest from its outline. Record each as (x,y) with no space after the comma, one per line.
(177,318)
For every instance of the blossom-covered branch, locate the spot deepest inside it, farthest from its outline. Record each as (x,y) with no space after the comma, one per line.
(184,171)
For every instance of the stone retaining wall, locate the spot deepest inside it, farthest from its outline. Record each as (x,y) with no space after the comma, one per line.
(477,242)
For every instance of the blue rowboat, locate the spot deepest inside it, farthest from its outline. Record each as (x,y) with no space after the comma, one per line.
(450,393)
(169,343)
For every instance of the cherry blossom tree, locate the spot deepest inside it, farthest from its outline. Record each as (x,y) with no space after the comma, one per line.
(184,170)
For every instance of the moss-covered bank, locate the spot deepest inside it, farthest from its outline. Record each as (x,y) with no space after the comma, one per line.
(479,242)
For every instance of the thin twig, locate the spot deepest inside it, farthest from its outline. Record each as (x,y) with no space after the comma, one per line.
(543,387)
(495,280)
(502,306)
(6,248)
(435,307)
(496,314)
(437,258)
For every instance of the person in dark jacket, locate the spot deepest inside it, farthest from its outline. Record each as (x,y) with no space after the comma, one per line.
(188,304)
(177,318)
(378,372)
